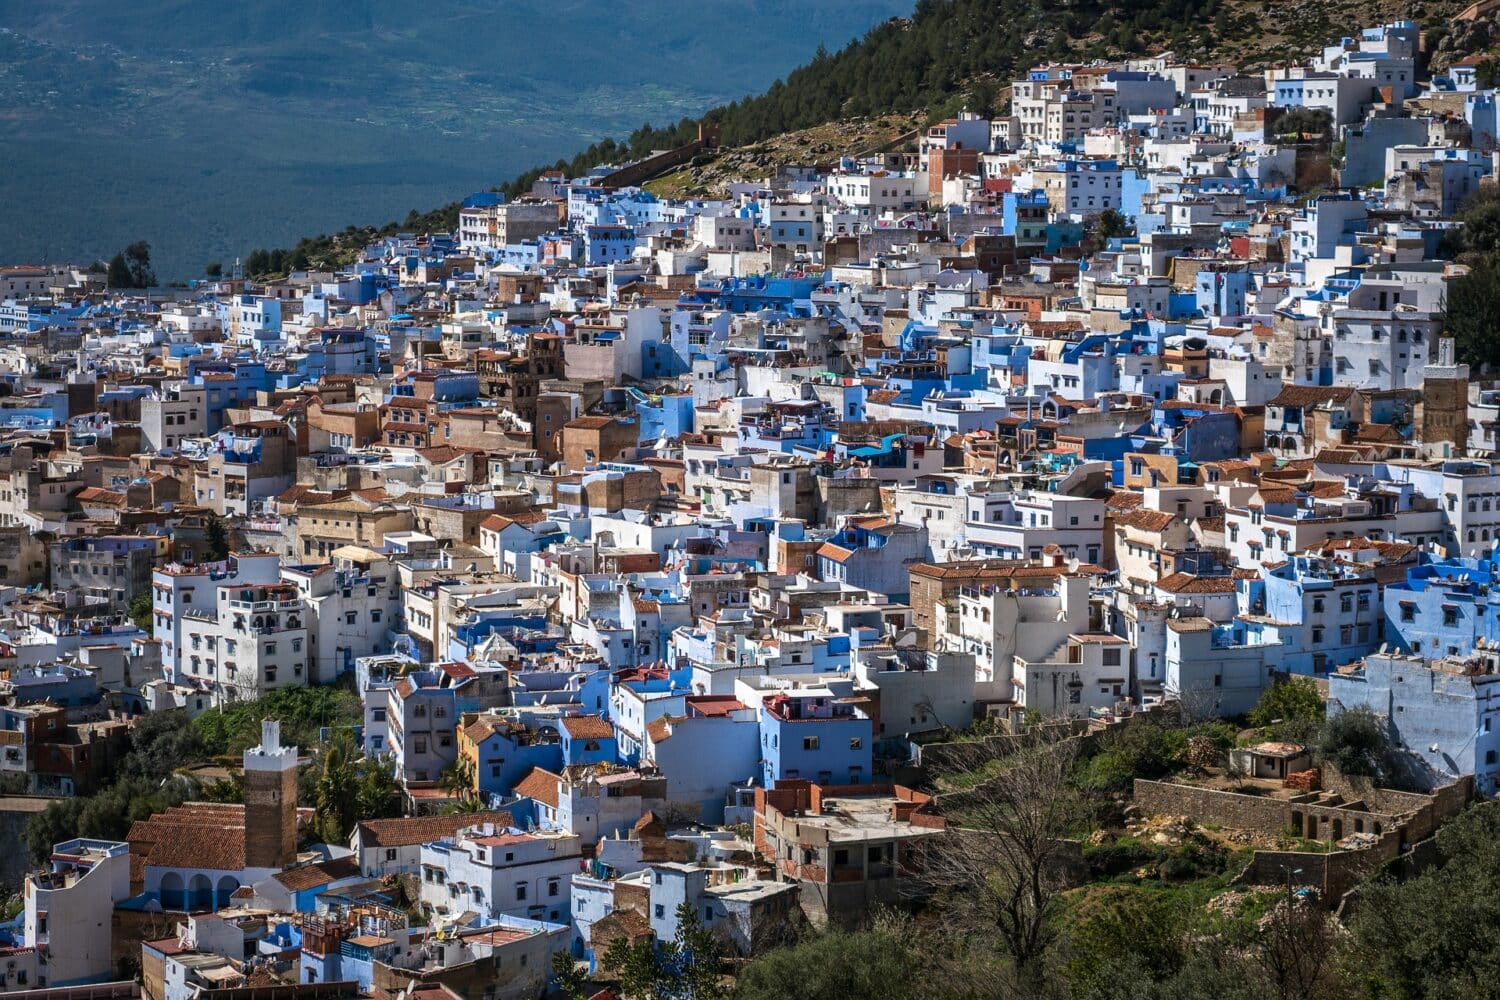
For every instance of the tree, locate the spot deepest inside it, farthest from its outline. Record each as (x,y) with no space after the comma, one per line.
(131,267)
(336,807)
(1120,922)
(881,963)
(213,269)
(1001,873)
(1292,705)
(567,979)
(1432,935)
(1110,224)
(139,610)
(1143,749)
(217,536)
(379,793)
(684,968)
(457,779)
(1355,741)
(118,273)
(1472,310)
(1295,953)
(1304,121)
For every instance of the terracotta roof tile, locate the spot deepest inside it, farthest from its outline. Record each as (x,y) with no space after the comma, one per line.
(1187,583)
(408,831)
(588,727)
(541,785)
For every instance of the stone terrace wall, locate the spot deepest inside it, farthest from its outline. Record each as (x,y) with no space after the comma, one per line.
(1206,805)
(1263,814)
(1332,874)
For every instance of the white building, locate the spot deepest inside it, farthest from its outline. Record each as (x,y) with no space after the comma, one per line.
(254,641)
(177,590)
(500,872)
(69,911)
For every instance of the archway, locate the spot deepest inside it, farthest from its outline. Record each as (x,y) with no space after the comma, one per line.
(200,893)
(227,885)
(171,892)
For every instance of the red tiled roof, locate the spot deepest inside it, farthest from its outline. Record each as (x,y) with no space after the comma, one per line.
(408,831)
(1187,583)
(588,727)
(541,785)
(311,876)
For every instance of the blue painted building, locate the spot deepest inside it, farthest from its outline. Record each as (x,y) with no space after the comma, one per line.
(1444,607)
(812,734)
(1324,613)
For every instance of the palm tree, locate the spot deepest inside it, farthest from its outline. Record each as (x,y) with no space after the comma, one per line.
(458,780)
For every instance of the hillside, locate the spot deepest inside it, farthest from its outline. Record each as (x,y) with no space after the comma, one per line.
(711,177)
(208,129)
(949,54)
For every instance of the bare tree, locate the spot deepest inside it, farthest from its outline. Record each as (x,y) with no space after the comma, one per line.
(1196,705)
(1002,864)
(1296,950)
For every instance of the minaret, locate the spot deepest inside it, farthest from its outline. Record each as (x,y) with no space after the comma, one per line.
(1445,403)
(270,801)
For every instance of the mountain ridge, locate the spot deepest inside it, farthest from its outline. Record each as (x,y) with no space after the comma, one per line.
(207,130)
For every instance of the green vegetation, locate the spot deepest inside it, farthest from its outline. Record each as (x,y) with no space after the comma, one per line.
(1297,123)
(303,712)
(347,788)
(1151,911)
(874,964)
(218,538)
(1158,915)
(1291,709)
(1473,301)
(131,267)
(687,967)
(139,610)
(351,788)
(1356,742)
(1148,750)
(1432,935)
(160,743)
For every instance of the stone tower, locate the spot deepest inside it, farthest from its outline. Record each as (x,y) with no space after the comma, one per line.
(270,801)
(1445,403)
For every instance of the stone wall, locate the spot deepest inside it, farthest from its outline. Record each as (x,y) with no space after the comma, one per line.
(1384,811)
(1206,805)
(1332,874)
(1305,814)
(654,166)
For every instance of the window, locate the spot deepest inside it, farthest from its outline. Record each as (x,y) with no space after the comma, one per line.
(661,911)
(810,743)
(520,891)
